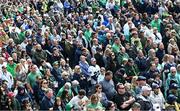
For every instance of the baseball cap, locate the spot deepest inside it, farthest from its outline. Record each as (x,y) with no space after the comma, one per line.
(155,86)
(174,86)
(141,78)
(171,98)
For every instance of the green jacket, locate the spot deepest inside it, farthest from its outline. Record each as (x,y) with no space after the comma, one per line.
(61,91)
(131,70)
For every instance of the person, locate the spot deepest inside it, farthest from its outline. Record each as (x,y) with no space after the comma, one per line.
(57,105)
(94,71)
(102,96)
(174,89)
(156,97)
(136,107)
(47,101)
(123,99)
(79,101)
(172,76)
(141,81)
(95,104)
(171,103)
(31,77)
(107,84)
(144,100)
(13,102)
(5,75)
(11,66)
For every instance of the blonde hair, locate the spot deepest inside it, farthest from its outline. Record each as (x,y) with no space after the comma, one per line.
(133,82)
(77,69)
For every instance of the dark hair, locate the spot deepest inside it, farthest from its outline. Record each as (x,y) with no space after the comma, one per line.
(82,92)
(64,93)
(97,86)
(108,73)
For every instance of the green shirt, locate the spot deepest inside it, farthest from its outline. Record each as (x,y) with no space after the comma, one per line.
(116,48)
(156,24)
(11,69)
(31,78)
(95,106)
(87,35)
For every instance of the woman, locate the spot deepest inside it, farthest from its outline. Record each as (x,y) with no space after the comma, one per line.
(43,88)
(65,67)
(95,104)
(172,45)
(134,83)
(20,73)
(50,79)
(58,104)
(65,98)
(101,95)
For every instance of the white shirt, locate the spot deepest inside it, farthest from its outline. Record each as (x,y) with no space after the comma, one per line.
(94,71)
(157,99)
(8,77)
(75,100)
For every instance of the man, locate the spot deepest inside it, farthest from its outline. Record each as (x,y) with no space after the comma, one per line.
(11,66)
(108,85)
(84,66)
(157,97)
(31,78)
(123,99)
(5,75)
(156,22)
(94,71)
(144,100)
(174,89)
(80,100)
(122,55)
(116,45)
(47,101)
(131,70)
(141,81)
(172,76)
(39,54)
(135,107)
(141,61)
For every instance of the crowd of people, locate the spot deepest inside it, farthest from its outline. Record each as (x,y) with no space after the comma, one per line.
(91,55)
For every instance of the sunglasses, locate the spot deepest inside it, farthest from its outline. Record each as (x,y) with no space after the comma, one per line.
(45,83)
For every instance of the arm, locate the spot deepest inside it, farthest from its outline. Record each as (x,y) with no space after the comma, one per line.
(130,101)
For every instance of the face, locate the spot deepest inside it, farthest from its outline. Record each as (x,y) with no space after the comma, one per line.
(33,69)
(173,72)
(99,89)
(45,84)
(109,77)
(121,89)
(136,109)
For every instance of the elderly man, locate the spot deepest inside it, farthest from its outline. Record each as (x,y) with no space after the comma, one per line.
(143,99)
(172,77)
